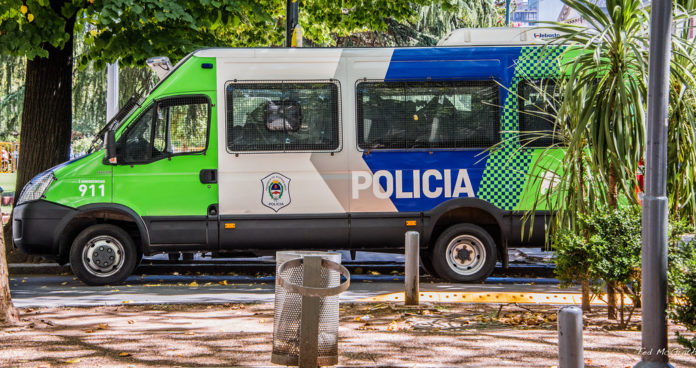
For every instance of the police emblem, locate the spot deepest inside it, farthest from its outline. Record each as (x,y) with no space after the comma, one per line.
(275,191)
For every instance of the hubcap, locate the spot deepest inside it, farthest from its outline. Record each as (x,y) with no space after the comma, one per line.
(103,256)
(466,255)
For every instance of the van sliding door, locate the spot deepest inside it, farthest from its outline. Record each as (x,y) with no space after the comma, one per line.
(282,173)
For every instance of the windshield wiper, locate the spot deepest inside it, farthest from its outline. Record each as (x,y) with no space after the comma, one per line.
(130,105)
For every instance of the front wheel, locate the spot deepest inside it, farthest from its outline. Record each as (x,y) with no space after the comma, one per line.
(103,254)
(464,253)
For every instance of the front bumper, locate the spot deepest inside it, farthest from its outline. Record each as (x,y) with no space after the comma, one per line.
(38,225)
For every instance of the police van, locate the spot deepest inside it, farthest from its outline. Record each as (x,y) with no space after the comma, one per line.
(263,149)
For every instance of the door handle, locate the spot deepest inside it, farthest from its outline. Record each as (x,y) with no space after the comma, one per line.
(208,176)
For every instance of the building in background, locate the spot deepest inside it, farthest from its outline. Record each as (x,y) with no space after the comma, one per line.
(529,12)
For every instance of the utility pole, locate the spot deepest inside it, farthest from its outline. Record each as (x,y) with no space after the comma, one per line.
(291,21)
(654,353)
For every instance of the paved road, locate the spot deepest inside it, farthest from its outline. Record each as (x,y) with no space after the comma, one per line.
(52,291)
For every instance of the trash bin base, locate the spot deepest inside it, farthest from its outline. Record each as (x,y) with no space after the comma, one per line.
(283,359)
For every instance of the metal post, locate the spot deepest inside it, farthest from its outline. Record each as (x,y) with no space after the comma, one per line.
(507,13)
(570,338)
(412,267)
(292,16)
(655,205)
(309,322)
(111,90)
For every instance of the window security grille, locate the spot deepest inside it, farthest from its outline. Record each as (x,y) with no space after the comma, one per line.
(422,115)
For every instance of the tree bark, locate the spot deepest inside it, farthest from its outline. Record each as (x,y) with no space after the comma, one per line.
(46,117)
(8,313)
(586,296)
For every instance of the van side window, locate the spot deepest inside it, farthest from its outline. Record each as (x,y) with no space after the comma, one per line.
(170,127)
(282,116)
(406,115)
(537,103)
(187,122)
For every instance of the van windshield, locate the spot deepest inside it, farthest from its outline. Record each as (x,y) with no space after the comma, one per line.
(122,115)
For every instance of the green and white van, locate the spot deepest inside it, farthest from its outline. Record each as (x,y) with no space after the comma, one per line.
(257,150)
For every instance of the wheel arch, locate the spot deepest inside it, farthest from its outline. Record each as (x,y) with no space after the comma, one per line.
(468,210)
(108,213)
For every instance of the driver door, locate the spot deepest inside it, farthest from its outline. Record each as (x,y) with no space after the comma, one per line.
(161,157)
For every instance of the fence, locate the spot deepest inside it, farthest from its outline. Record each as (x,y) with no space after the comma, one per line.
(9,157)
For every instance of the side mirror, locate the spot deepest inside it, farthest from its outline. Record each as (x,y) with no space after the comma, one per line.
(110,155)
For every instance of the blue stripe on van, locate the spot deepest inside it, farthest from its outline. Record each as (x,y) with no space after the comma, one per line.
(444,63)
(474,161)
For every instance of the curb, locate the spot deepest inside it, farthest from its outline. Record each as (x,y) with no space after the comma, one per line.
(164,267)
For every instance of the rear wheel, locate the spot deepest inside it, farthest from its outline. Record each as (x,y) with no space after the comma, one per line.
(464,253)
(103,254)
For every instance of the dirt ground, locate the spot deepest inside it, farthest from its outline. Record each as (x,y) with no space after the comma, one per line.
(451,335)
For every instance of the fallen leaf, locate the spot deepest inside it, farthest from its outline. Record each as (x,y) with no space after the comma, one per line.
(130,321)
(223,282)
(72,361)
(126,301)
(64,283)
(189,333)
(263,320)
(102,326)
(374,273)
(124,354)
(193,283)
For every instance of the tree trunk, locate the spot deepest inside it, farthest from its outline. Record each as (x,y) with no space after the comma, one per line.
(46,116)
(612,201)
(611,300)
(8,313)
(586,296)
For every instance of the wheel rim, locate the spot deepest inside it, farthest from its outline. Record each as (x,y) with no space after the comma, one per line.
(466,255)
(103,256)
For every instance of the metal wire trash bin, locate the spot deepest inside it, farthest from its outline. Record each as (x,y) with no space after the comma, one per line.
(305,326)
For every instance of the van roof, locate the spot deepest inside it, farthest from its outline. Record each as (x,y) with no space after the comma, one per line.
(499,36)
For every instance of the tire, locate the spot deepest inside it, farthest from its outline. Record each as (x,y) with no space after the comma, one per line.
(103,255)
(426,262)
(464,240)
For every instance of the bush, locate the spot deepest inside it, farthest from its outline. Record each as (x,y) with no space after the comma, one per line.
(682,282)
(605,250)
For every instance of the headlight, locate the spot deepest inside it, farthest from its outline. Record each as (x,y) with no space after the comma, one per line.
(34,189)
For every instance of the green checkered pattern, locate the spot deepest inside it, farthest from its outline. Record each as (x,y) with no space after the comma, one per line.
(506,169)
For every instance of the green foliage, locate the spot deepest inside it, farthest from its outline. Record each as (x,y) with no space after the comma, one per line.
(135,30)
(610,251)
(609,68)
(615,243)
(682,281)
(11,96)
(572,258)
(681,135)
(607,253)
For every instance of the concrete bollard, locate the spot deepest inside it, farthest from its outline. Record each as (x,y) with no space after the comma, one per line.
(412,267)
(570,352)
